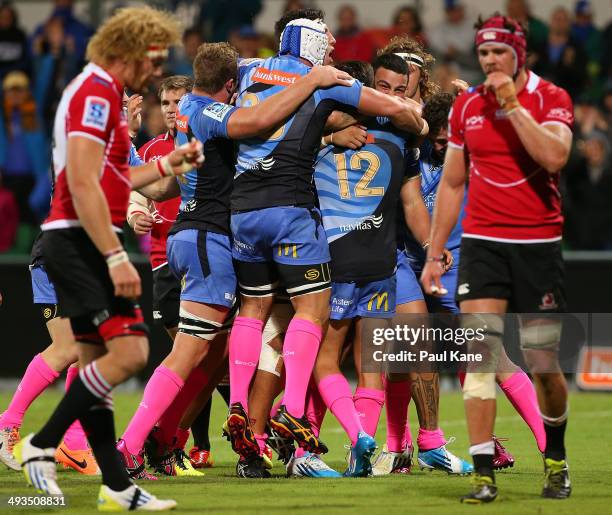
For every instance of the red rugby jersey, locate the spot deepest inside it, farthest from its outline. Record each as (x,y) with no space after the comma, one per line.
(165,212)
(510,197)
(91,107)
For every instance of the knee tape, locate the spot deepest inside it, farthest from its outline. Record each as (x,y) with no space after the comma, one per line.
(278,322)
(199,327)
(545,336)
(480,377)
(479,385)
(268,359)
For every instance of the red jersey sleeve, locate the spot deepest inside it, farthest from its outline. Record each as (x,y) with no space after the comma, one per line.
(557,107)
(455,123)
(92,113)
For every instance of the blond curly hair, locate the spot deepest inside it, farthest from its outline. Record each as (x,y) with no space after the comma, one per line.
(129,32)
(427,86)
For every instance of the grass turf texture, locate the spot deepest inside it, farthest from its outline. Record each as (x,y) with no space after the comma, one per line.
(420,493)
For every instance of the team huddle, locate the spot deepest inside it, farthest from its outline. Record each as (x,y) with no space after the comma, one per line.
(287,202)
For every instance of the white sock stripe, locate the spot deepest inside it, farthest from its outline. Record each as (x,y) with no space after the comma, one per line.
(94,376)
(483,448)
(555,421)
(94,390)
(94,367)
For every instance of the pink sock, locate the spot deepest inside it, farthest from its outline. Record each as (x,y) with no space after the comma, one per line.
(368,403)
(427,439)
(397,398)
(75,438)
(315,408)
(300,351)
(182,435)
(261,441)
(520,392)
(160,392)
(244,350)
(169,421)
(338,397)
(38,376)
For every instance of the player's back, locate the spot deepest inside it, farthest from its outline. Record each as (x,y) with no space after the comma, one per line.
(205,191)
(277,170)
(358,192)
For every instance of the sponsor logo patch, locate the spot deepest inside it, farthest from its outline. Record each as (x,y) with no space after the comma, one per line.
(217,111)
(96,113)
(312,274)
(275,77)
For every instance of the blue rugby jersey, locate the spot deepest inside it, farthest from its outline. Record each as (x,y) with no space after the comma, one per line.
(358,194)
(431,173)
(205,192)
(277,170)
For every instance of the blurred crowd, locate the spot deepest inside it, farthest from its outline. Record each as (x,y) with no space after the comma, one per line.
(567,48)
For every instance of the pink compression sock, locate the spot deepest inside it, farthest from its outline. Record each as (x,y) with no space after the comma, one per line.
(160,392)
(427,439)
(168,423)
(338,397)
(75,438)
(300,351)
(315,408)
(397,399)
(38,376)
(520,392)
(368,403)
(244,350)
(274,409)
(261,441)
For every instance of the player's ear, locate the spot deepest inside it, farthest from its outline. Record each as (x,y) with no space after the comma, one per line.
(230,86)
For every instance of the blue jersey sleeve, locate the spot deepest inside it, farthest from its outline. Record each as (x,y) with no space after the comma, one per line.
(134,159)
(348,95)
(211,121)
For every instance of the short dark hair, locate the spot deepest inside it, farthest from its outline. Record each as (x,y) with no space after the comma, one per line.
(391,62)
(309,14)
(436,111)
(359,70)
(214,65)
(175,82)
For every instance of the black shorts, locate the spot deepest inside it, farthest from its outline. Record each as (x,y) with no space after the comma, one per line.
(166,297)
(79,273)
(528,275)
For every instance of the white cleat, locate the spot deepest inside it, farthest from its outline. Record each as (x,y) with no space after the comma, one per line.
(9,437)
(38,466)
(388,462)
(310,465)
(132,498)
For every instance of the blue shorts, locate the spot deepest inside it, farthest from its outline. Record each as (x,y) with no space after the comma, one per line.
(203,262)
(286,235)
(408,286)
(446,303)
(372,300)
(42,287)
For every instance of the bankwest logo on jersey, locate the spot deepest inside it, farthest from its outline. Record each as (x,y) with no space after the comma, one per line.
(595,368)
(275,77)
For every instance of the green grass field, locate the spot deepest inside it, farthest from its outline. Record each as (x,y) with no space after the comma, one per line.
(420,493)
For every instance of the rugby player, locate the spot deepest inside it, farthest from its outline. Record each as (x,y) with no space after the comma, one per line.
(422,387)
(198,242)
(276,228)
(95,282)
(516,130)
